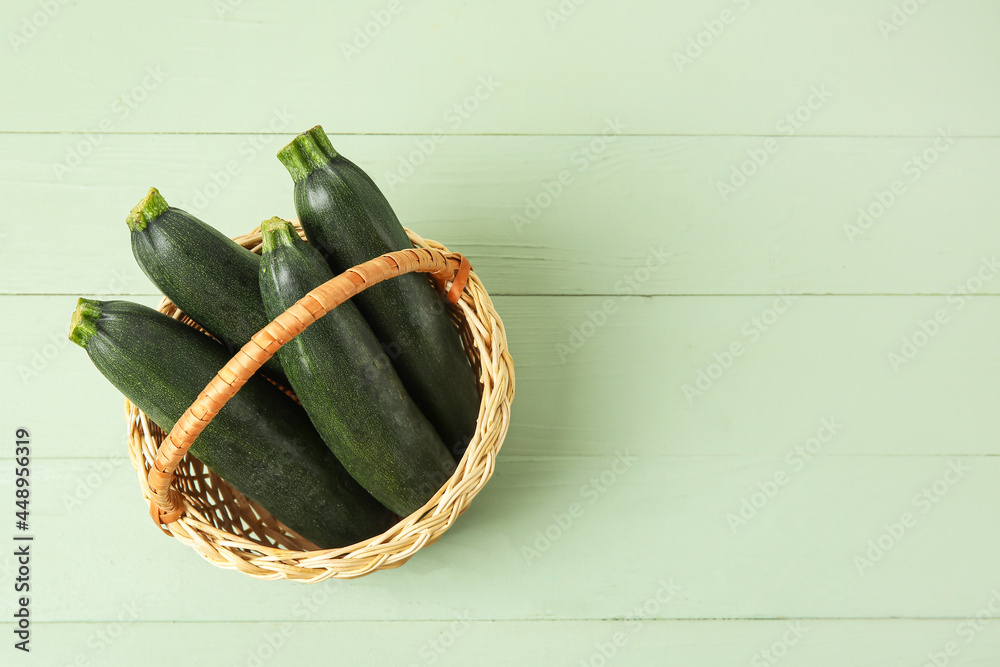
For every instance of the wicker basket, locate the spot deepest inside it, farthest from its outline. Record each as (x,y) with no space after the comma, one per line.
(194,505)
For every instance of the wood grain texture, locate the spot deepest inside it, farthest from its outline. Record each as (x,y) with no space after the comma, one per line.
(223,71)
(644,380)
(659,518)
(641,202)
(818,643)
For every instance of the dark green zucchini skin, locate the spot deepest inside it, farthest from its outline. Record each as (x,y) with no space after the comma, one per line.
(261,442)
(205,273)
(348,386)
(347,218)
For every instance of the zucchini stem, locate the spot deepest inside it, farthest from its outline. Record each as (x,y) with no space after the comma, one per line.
(149,208)
(83,325)
(277,233)
(307,152)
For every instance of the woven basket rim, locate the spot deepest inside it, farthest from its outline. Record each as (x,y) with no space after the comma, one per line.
(209,501)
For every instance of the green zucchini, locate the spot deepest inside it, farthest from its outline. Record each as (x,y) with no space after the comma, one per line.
(261,442)
(347,386)
(347,218)
(205,273)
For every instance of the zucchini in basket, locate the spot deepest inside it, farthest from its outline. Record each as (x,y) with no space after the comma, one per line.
(348,386)
(347,218)
(205,273)
(261,442)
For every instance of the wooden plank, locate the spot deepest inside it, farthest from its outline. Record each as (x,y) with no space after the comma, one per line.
(658,377)
(641,202)
(193,67)
(811,643)
(574,538)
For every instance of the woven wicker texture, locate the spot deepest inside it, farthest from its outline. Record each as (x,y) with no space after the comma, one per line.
(229,530)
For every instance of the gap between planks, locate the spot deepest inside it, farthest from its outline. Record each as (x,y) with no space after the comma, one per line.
(693,135)
(593,295)
(613,619)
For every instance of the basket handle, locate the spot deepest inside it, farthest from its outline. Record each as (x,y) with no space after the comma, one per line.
(167,506)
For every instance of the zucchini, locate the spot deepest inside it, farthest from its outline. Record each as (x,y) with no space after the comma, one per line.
(348,386)
(261,442)
(347,218)
(205,273)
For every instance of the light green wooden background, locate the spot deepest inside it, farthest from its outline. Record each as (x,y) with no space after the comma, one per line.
(105,99)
